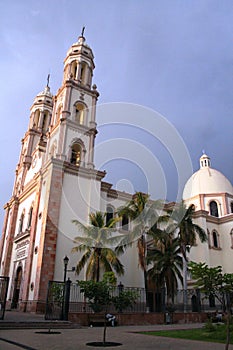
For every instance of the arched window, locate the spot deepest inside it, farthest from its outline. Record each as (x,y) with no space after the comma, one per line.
(80,113)
(125,223)
(213,209)
(231,207)
(74,69)
(231,234)
(36,118)
(209,238)
(45,122)
(30,218)
(21,220)
(83,70)
(76,152)
(109,213)
(215,239)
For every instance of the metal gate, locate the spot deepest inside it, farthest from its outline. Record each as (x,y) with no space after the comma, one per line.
(4,282)
(57,302)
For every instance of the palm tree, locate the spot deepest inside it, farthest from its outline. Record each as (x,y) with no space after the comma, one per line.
(186,229)
(167,263)
(143,215)
(98,244)
(187,232)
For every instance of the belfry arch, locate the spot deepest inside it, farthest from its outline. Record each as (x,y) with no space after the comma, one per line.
(77,152)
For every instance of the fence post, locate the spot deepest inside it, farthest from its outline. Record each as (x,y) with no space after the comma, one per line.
(66,300)
(4,282)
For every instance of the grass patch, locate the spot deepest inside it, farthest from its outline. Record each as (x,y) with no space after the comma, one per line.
(217,334)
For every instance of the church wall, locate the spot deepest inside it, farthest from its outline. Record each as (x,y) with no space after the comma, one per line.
(218,199)
(215,253)
(24,206)
(200,252)
(229,201)
(21,247)
(34,168)
(4,242)
(42,209)
(78,197)
(195,201)
(226,245)
(223,254)
(133,276)
(52,144)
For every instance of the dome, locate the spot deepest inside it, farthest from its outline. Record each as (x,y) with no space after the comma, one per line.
(206,181)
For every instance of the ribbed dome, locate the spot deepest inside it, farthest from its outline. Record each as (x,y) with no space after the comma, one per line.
(206,181)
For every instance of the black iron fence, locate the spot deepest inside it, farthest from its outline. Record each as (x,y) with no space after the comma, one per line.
(63,298)
(79,304)
(58,300)
(4,282)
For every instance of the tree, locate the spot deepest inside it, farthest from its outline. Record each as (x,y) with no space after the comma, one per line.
(167,263)
(187,232)
(98,244)
(143,215)
(213,282)
(100,296)
(186,229)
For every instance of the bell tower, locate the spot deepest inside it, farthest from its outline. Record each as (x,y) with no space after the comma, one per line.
(73,125)
(55,182)
(35,139)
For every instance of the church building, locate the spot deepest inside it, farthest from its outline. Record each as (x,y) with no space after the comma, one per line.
(56,182)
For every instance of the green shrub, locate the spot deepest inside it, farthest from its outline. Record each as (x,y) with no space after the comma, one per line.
(209,326)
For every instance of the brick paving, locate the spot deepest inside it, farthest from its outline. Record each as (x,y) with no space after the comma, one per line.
(76,339)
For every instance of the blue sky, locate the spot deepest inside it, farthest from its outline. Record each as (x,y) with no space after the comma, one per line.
(174,57)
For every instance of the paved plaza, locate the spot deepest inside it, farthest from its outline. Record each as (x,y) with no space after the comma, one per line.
(76,338)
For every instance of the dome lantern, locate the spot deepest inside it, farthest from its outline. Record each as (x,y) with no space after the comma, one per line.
(204,161)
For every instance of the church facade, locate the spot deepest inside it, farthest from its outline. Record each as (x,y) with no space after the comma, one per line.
(56,182)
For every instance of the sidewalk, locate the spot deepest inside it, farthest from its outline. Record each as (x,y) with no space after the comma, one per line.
(17,316)
(25,320)
(76,339)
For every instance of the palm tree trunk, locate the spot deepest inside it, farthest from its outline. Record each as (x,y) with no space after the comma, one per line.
(146,289)
(185,286)
(98,267)
(145,270)
(98,270)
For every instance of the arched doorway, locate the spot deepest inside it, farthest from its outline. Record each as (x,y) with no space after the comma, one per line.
(17,284)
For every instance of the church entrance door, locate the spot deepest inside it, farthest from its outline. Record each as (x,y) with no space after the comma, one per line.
(17,284)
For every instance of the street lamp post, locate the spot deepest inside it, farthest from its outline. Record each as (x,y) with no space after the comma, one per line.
(65,301)
(66,262)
